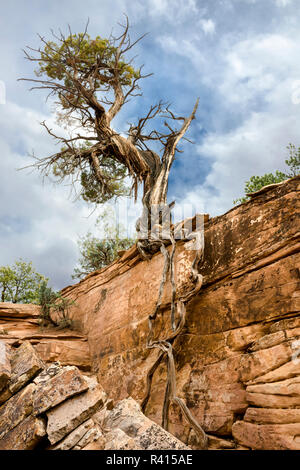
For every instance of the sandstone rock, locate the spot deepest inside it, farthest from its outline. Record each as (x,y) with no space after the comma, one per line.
(268,341)
(9,310)
(98,444)
(286,371)
(240,339)
(16,409)
(293,333)
(127,416)
(250,280)
(18,330)
(20,322)
(240,328)
(67,348)
(285,324)
(231,396)
(70,414)
(214,395)
(267,436)
(119,440)
(5,369)
(289,387)
(66,383)
(272,416)
(74,437)
(5,395)
(272,401)
(25,436)
(92,435)
(257,363)
(47,374)
(215,443)
(25,365)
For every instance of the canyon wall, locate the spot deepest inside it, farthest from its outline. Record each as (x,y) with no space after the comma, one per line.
(238,356)
(236,359)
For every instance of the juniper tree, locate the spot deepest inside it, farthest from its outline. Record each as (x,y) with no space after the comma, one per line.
(92,79)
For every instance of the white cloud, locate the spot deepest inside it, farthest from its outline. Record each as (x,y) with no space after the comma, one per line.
(208,26)
(256,77)
(283,3)
(244,77)
(258,146)
(171,10)
(36,218)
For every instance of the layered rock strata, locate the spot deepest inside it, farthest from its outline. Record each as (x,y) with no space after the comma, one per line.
(238,357)
(242,327)
(21,322)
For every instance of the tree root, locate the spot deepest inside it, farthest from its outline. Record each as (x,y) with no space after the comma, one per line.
(165,346)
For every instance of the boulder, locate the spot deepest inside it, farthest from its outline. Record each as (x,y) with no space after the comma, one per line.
(65,384)
(147,435)
(74,437)
(25,365)
(94,434)
(70,414)
(119,440)
(25,436)
(5,368)
(16,409)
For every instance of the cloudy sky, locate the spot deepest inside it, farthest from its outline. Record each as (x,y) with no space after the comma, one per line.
(240,57)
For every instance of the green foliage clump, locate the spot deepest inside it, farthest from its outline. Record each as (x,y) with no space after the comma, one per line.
(82,72)
(78,54)
(97,253)
(54,307)
(255,183)
(20,283)
(113,175)
(294,161)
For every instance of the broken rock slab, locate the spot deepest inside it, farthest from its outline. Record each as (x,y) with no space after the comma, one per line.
(47,374)
(93,434)
(25,436)
(128,417)
(65,384)
(25,365)
(5,368)
(74,437)
(119,440)
(69,415)
(16,409)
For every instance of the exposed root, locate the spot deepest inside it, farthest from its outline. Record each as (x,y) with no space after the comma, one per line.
(165,346)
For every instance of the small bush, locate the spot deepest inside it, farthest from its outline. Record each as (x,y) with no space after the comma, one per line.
(54,308)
